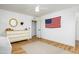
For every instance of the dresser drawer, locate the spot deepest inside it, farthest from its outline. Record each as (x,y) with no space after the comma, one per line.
(18,35)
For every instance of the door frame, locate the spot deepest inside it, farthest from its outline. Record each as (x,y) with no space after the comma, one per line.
(36,28)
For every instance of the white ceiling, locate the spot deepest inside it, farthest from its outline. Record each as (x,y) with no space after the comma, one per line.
(29,9)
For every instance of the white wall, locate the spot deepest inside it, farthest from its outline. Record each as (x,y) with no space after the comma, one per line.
(6,15)
(77,30)
(65,34)
(77,27)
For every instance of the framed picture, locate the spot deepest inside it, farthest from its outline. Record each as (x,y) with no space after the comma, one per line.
(53,22)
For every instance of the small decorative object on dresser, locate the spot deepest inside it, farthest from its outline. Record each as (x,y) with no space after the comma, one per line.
(8,29)
(26,29)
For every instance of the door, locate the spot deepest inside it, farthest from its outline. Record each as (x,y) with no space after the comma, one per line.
(34,23)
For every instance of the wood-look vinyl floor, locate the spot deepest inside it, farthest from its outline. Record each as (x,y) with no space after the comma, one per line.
(16,47)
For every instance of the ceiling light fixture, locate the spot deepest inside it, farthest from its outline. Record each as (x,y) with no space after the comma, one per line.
(37,9)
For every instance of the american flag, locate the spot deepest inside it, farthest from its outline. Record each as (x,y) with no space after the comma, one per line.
(53,22)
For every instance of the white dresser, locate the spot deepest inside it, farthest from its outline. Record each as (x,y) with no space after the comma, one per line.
(18,35)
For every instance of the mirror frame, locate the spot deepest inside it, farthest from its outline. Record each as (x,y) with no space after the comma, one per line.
(11,23)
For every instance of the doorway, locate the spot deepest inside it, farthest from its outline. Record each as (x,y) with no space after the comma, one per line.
(34,27)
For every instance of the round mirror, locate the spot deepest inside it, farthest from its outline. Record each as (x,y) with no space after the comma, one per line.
(13,22)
